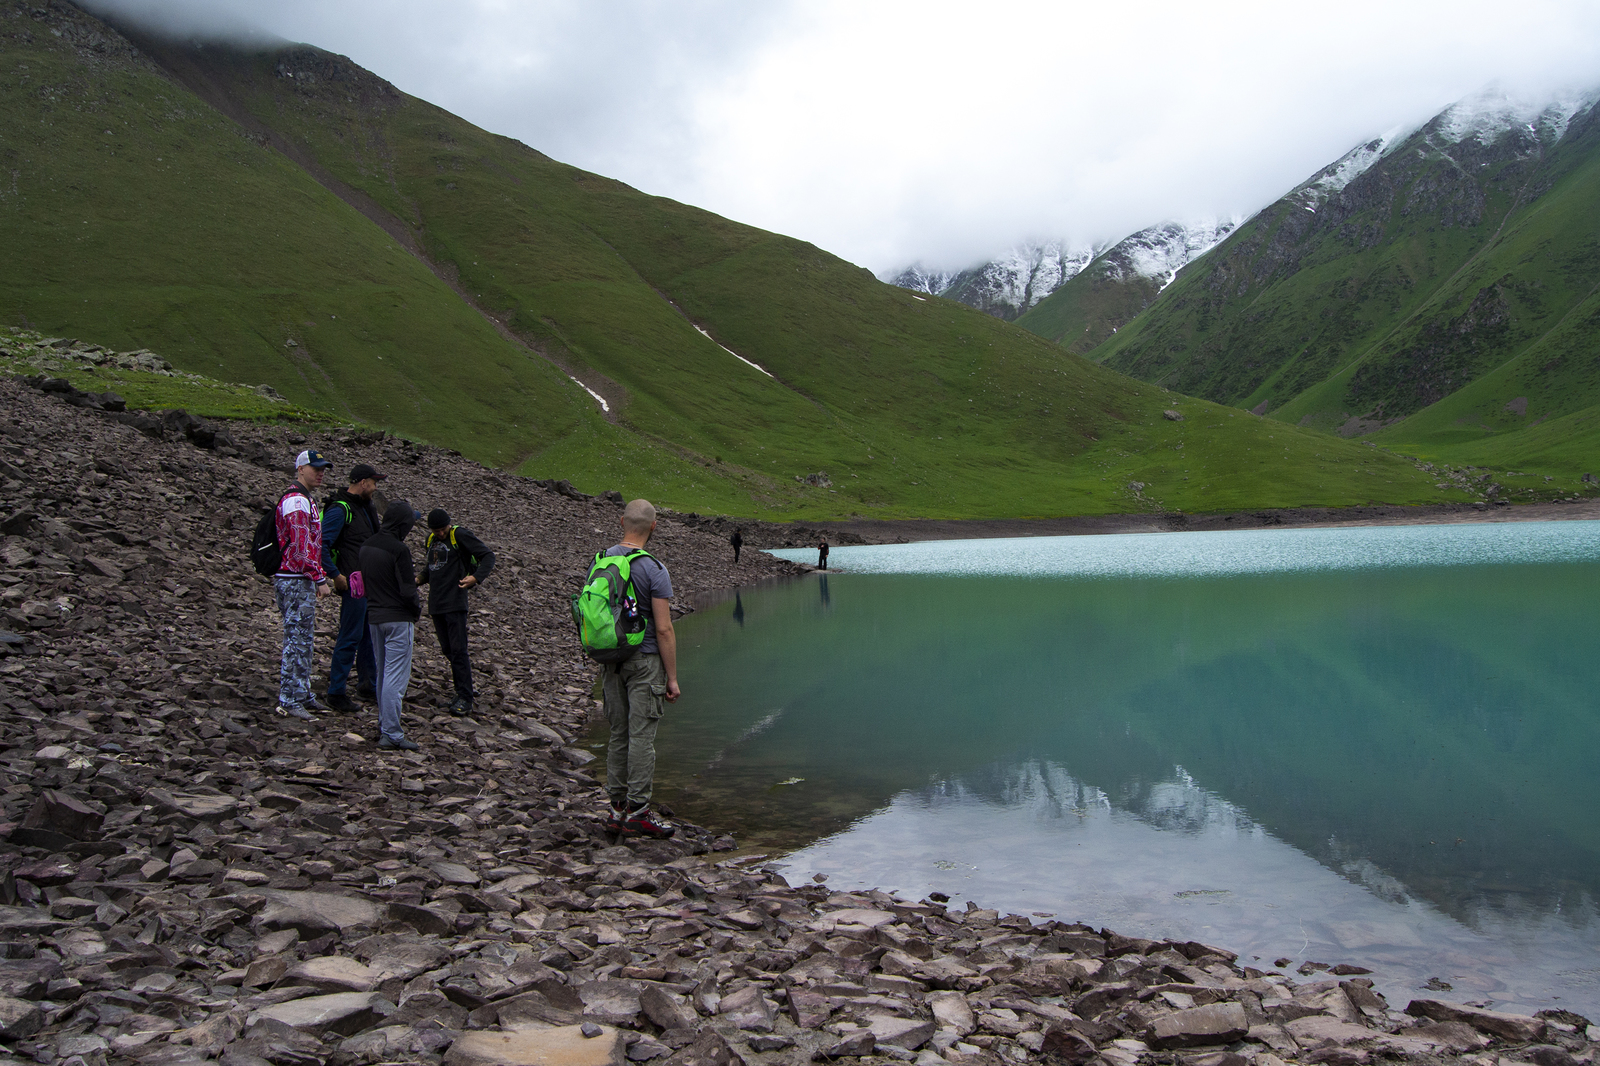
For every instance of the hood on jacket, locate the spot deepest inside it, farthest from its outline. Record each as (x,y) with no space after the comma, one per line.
(398,519)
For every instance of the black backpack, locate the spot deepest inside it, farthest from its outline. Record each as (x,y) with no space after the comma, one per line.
(266,554)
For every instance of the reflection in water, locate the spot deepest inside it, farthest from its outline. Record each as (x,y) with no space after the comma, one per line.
(1390,767)
(738,609)
(822,584)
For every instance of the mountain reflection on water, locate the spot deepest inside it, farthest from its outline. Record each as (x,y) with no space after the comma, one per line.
(1389,765)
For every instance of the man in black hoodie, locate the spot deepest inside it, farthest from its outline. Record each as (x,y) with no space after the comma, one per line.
(393,607)
(348,519)
(456,562)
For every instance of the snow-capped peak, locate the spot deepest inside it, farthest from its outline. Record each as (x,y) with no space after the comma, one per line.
(1485,115)
(1159,252)
(919,278)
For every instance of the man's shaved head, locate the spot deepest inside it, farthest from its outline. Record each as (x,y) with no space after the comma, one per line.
(639,516)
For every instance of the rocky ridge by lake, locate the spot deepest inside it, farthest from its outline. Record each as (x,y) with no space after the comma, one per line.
(190,879)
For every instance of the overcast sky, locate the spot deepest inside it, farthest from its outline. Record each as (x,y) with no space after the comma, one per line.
(941,132)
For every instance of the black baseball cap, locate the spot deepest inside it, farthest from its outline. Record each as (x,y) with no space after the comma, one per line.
(363,471)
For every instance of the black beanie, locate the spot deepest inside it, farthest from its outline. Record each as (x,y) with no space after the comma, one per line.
(438,518)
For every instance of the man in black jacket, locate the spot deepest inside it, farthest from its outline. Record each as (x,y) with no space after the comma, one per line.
(393,607)
(456,562)
(348,519)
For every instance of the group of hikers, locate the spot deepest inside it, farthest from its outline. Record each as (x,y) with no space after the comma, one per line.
(340,546)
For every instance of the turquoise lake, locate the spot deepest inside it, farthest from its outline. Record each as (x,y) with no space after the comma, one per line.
(1367,745)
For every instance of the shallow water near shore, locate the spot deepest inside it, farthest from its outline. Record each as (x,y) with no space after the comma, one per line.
(1363,745)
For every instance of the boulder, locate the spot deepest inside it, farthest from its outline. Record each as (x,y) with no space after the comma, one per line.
(894,1031)
(18,1018)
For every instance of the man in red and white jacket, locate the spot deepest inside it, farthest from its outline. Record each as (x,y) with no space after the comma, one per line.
(299,583)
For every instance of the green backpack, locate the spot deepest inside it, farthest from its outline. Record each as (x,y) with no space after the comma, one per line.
(611,621)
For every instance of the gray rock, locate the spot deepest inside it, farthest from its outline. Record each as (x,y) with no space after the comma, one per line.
(1214,1023)
(1515,1027)
(561,1046)
(343,1013)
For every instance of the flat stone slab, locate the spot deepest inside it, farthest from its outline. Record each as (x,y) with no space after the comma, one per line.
(1214,1023)
(453,873)
(1319,1030)
(907,1033)
(1515,1027)
(315,912)
(19,1018)
(867,916)
(344,1013)
(332,973)
(562,1046)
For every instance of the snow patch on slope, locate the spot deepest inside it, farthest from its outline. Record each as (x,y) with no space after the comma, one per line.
(918,278)
(1159,252)
(731,352)
(1315,191)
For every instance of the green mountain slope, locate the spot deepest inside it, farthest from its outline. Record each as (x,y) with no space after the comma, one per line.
(285,216)
(1089,308)
(1444,297)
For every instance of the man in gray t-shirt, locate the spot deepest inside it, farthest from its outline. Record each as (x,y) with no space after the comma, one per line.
(638,689)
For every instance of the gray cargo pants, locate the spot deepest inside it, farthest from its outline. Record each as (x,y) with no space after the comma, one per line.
(635,697)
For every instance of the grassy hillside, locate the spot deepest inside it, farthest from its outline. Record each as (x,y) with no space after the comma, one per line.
(289,218)
(1445,300)
(1090,307)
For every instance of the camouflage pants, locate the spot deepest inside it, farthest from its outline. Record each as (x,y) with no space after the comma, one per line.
(635,697)
(297,602)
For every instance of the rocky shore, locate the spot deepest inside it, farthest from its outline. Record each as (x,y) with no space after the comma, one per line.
(189,879)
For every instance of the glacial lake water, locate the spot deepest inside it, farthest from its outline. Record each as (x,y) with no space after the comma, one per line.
(1364,745)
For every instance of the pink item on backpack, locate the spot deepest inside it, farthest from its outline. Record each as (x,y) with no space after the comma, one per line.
(358,587)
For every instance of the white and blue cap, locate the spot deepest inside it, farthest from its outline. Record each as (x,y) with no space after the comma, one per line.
(313,458)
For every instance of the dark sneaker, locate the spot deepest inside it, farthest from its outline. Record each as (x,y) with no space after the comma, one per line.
(403,744)
(292,711)
(613,823)
(643,821)
(314,704)
(368,693)
(342,703)
(461,707)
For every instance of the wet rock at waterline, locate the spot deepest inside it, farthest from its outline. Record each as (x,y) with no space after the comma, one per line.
(188,879)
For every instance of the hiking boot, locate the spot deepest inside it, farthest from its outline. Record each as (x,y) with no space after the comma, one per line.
(613,822)
(368,693)
(292,711)
(314,704)
(342,703)
(403,744)
(461,707)
(643,821)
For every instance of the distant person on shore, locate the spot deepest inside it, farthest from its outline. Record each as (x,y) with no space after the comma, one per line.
(299,583)
(348,519)
(822,554)
(637,689)
(737,540)
(454,562)
(393,607)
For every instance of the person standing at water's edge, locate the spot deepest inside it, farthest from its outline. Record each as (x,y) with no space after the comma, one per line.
(737,540)
(299,583)
(822,554)
(638,689)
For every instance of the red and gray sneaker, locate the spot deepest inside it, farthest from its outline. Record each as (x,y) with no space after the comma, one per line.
(613,823)
(643,821)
